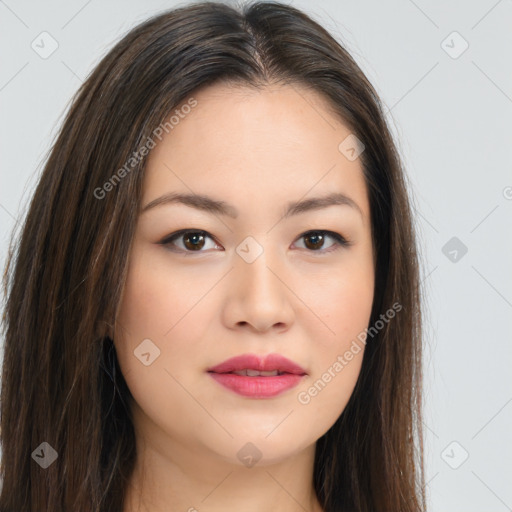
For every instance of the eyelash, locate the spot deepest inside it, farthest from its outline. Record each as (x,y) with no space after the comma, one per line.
(340,240)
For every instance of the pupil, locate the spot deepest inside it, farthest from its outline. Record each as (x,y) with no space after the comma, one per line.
(195,238)
(319,240)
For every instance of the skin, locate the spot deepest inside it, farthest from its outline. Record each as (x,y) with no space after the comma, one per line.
(256,150)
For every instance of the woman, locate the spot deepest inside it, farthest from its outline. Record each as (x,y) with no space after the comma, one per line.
(214,302)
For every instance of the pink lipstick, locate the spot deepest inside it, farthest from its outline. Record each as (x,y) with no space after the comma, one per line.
(258,376)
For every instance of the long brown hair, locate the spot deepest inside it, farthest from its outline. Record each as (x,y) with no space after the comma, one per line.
(66,271)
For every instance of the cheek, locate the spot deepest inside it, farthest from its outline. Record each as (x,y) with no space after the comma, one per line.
(154,311)
(342,297)
(343,301)
(158,315)
(156,297)
(347,303)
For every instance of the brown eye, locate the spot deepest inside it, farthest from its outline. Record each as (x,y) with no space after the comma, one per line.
(314,241)
(191,241)
(194,241)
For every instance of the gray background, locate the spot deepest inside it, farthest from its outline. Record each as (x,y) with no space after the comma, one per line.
(451,113)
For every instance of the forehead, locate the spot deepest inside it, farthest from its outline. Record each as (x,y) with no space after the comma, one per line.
(247,145)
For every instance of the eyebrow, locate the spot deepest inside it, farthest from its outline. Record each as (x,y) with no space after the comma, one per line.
(216,207)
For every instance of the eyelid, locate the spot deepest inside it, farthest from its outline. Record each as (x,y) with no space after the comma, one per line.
(167,240)
(340,240)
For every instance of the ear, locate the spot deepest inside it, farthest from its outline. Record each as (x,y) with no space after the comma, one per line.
(104,330)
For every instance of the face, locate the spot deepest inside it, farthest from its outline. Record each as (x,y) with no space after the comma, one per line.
(246,279)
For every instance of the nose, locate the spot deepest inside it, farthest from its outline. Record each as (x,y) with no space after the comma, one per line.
(259,296)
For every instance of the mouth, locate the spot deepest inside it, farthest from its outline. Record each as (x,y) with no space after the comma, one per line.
(250,372)
(253,365)
(258,377)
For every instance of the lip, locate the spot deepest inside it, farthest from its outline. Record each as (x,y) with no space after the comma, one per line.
(266,363)
(260,386)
